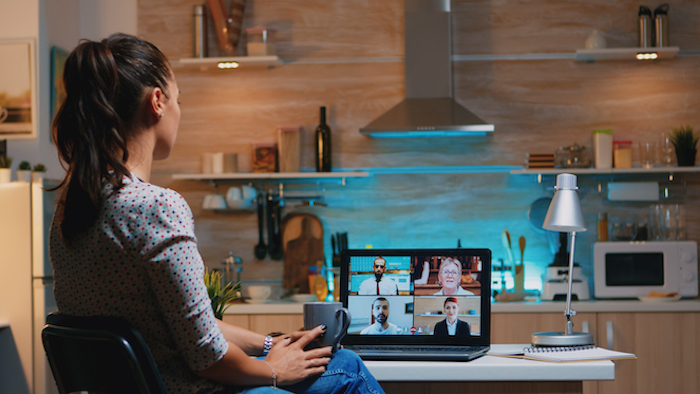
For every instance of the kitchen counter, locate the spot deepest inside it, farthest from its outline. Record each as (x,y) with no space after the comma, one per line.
(286,307)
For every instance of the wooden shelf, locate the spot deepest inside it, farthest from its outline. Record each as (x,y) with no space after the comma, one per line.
(598,171)
(242,61)
(591,55)
(277,177)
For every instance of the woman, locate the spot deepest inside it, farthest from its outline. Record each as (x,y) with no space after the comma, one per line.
(123,247)
(451,326)
(450,278)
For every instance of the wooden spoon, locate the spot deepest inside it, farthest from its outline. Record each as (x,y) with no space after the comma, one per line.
(520,268)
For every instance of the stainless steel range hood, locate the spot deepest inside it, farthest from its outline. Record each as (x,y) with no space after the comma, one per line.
(429,109)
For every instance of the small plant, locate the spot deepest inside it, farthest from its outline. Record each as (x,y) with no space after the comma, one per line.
(684,138)
(5,162)
(25,166)
(220,296)
(39,168)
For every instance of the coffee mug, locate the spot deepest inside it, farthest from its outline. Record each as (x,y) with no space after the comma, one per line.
(3,114)
(334,316)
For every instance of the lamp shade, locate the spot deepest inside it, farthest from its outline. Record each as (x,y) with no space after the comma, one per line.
(564,213)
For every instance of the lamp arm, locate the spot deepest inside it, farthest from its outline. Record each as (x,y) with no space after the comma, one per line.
(569,313)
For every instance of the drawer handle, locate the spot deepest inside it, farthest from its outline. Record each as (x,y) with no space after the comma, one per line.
(609,328)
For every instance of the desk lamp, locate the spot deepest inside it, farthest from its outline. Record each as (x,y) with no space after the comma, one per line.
(564,215)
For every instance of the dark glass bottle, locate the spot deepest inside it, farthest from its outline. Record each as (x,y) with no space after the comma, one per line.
(323,144)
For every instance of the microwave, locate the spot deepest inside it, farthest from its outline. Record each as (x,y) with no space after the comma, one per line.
(633,269)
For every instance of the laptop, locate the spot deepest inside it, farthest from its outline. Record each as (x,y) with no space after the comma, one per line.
(433,304)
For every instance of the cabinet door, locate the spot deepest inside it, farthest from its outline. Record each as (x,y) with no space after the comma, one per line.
(656,340)
(519,327)
(265,324)
(238,320)
(690,352)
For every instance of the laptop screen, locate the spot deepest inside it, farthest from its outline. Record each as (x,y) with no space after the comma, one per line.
(414,297)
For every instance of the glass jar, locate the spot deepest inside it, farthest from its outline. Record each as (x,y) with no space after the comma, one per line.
(622,154)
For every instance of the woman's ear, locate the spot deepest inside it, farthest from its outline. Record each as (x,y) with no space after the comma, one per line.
(156,102)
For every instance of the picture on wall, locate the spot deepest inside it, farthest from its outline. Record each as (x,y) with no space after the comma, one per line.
(58,91)
(17,89)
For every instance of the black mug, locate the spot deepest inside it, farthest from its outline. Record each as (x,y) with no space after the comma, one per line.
(334,316)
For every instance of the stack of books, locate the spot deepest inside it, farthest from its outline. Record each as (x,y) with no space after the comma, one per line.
(540,160)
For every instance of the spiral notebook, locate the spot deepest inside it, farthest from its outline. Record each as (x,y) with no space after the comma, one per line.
(574,353)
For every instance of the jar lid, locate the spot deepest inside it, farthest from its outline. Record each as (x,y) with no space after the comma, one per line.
(622,142)
(603,131)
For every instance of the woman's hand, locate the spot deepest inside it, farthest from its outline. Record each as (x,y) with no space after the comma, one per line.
(292,363)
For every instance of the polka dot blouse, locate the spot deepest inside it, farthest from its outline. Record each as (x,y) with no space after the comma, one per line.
(140,262)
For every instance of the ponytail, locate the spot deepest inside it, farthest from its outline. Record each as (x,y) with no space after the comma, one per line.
(105,83)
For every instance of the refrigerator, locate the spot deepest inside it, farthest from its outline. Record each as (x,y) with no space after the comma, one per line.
(26,286)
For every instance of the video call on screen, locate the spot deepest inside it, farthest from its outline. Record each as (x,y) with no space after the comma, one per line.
(415,295)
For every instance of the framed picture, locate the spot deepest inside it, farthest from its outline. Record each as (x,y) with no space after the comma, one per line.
(17,89)
(58,91)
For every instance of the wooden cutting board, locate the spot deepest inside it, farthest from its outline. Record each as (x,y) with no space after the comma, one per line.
(302,240)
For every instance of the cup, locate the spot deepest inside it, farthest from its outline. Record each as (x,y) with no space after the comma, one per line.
(667,152)
(234,193)
(217,163)
(647,154)
(333,315)
(214,201)
(207,163)
(230,162)
(259,294)
(656,222)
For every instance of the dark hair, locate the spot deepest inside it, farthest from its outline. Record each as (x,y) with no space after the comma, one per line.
(105,84)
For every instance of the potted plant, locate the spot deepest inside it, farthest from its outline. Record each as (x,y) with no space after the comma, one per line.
(5,171)
(685,140)
(24,172)
(220,295)
(38,173)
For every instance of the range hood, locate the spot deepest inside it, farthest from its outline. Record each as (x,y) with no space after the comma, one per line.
(429,109)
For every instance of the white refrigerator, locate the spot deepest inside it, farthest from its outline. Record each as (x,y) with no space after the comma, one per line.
(26,287)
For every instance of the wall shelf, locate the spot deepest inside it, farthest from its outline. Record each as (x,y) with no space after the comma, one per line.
(276,177)
(243,61)
(591,55)
(598,171)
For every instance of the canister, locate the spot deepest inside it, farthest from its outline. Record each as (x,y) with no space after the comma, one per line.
(602,147)
(622,154)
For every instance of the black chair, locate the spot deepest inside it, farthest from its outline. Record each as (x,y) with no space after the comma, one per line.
(99,354)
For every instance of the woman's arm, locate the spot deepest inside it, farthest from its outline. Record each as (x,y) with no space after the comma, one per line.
(288,360)
(249,342)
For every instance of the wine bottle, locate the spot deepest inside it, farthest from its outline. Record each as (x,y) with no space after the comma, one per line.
(323,144)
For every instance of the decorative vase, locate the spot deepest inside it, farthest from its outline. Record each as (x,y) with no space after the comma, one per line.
(686,157)
(38,177)
(5,175)
(24,175)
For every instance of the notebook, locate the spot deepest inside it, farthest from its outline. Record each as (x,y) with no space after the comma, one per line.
(574,353)
(433,304)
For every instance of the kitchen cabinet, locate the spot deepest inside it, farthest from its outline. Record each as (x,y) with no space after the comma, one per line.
(667,349)
(265,324)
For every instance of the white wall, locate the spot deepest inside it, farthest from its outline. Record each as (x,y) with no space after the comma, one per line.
(62,23)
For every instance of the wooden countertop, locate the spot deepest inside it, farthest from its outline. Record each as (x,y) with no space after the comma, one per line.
(288,307)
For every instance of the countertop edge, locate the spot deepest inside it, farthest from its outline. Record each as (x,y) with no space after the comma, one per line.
(598,306)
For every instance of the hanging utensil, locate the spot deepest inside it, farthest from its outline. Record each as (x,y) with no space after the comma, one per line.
(260,249)
(274,247)
(505,239)
(520,268)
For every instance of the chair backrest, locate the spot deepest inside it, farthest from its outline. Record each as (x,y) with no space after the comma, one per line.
(99,354)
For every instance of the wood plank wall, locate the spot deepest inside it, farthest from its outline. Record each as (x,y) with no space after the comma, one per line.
(536,106)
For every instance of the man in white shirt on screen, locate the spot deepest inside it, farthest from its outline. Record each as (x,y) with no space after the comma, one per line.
(381,326)
(380,284)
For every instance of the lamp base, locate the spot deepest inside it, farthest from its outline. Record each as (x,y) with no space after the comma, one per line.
(561,339)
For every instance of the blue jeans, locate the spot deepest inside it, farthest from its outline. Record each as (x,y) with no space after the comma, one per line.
(346,373)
